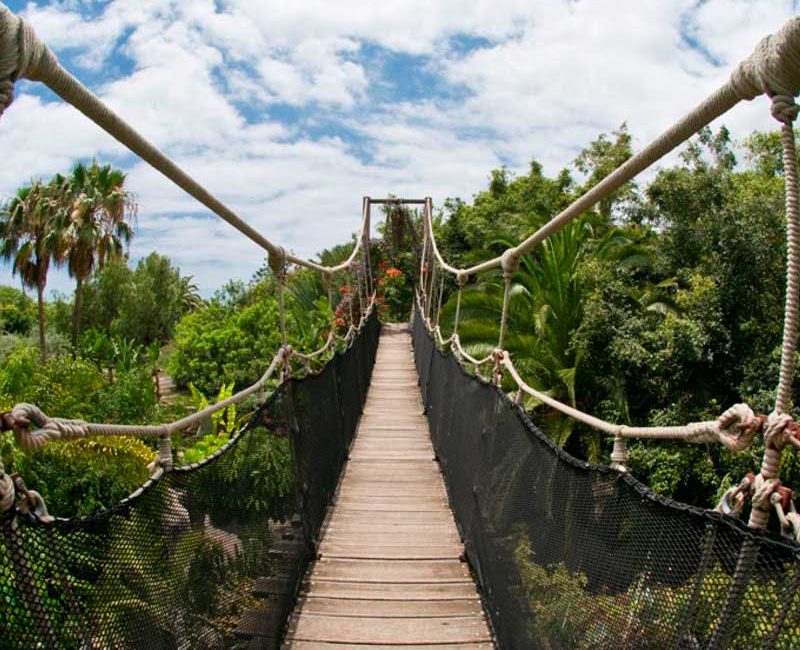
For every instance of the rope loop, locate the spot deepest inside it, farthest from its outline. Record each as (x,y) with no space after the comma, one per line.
(738,425)
(22,55)
(22,416)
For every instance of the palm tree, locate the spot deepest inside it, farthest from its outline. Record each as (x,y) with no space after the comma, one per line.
(26,240)
(545,308)
(98,225)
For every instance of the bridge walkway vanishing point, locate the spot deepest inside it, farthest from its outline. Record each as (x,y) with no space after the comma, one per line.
(389,571)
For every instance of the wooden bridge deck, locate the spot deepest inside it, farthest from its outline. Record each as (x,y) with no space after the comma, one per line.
(389,573)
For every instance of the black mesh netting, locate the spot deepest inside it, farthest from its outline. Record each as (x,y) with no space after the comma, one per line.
(203,557)
(570,555)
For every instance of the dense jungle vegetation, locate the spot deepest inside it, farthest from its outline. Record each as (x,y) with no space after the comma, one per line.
(662,305)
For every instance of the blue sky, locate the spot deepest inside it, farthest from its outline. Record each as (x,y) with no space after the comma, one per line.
(291,112)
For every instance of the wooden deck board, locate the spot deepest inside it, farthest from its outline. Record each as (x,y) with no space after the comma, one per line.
(391,608)
(322,645)
(368,629)
(389,573)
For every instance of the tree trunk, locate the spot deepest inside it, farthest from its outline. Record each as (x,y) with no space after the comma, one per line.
(42,324)
(76,314)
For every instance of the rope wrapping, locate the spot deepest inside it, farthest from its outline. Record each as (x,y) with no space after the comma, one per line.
(774,65)
(22,55)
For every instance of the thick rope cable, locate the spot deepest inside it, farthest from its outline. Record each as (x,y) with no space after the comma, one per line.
(773,67)
(24,55)
(34,429)
(785,110)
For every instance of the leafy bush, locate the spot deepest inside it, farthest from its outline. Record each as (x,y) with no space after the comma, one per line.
(217,345)
(75,388)
(17,311)
(80,476)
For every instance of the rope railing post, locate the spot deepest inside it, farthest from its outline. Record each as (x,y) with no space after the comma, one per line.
(365,244)
(165,450)
(461,279)
(777,432)
(277,264)
(432,292)
(439,300)
(349,286)
(361,293)
(510,264)
(784,109)
(619,455)
(423,264)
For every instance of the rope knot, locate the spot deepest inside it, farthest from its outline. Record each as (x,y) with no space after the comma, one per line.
(277,262)
(784,109)
(774,65)
(738,426)
(779,429)
(762,494)
(22,55)
(509,262)
(22,416)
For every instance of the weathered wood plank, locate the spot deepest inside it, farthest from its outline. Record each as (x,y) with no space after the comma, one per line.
(413,571)
(391,608)
(312,627)
(322,645)
(388,551)
(390,590)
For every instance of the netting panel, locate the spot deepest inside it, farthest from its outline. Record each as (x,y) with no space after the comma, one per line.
(570,555)
(208,556)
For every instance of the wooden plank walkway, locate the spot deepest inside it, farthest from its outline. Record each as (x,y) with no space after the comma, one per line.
(389,573)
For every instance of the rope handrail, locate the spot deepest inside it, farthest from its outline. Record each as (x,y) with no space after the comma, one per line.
(48,429)
(739,416)
(24,55)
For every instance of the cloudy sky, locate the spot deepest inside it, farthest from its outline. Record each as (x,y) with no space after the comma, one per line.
(290,112)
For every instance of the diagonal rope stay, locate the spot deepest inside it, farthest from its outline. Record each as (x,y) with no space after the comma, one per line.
(24,56)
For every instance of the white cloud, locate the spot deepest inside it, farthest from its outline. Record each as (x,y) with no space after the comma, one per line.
(546,79)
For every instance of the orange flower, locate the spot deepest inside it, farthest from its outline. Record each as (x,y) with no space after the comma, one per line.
(344,289)
(393,272)
(340,322)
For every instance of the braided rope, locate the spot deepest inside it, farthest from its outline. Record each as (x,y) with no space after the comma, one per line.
(785,110)
(772,68)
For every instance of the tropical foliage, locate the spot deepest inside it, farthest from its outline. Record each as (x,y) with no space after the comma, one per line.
(662,305)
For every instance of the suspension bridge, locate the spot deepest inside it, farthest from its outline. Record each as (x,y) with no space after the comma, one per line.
(431,511)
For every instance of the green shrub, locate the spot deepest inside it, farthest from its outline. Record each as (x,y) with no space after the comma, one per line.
(78,477)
